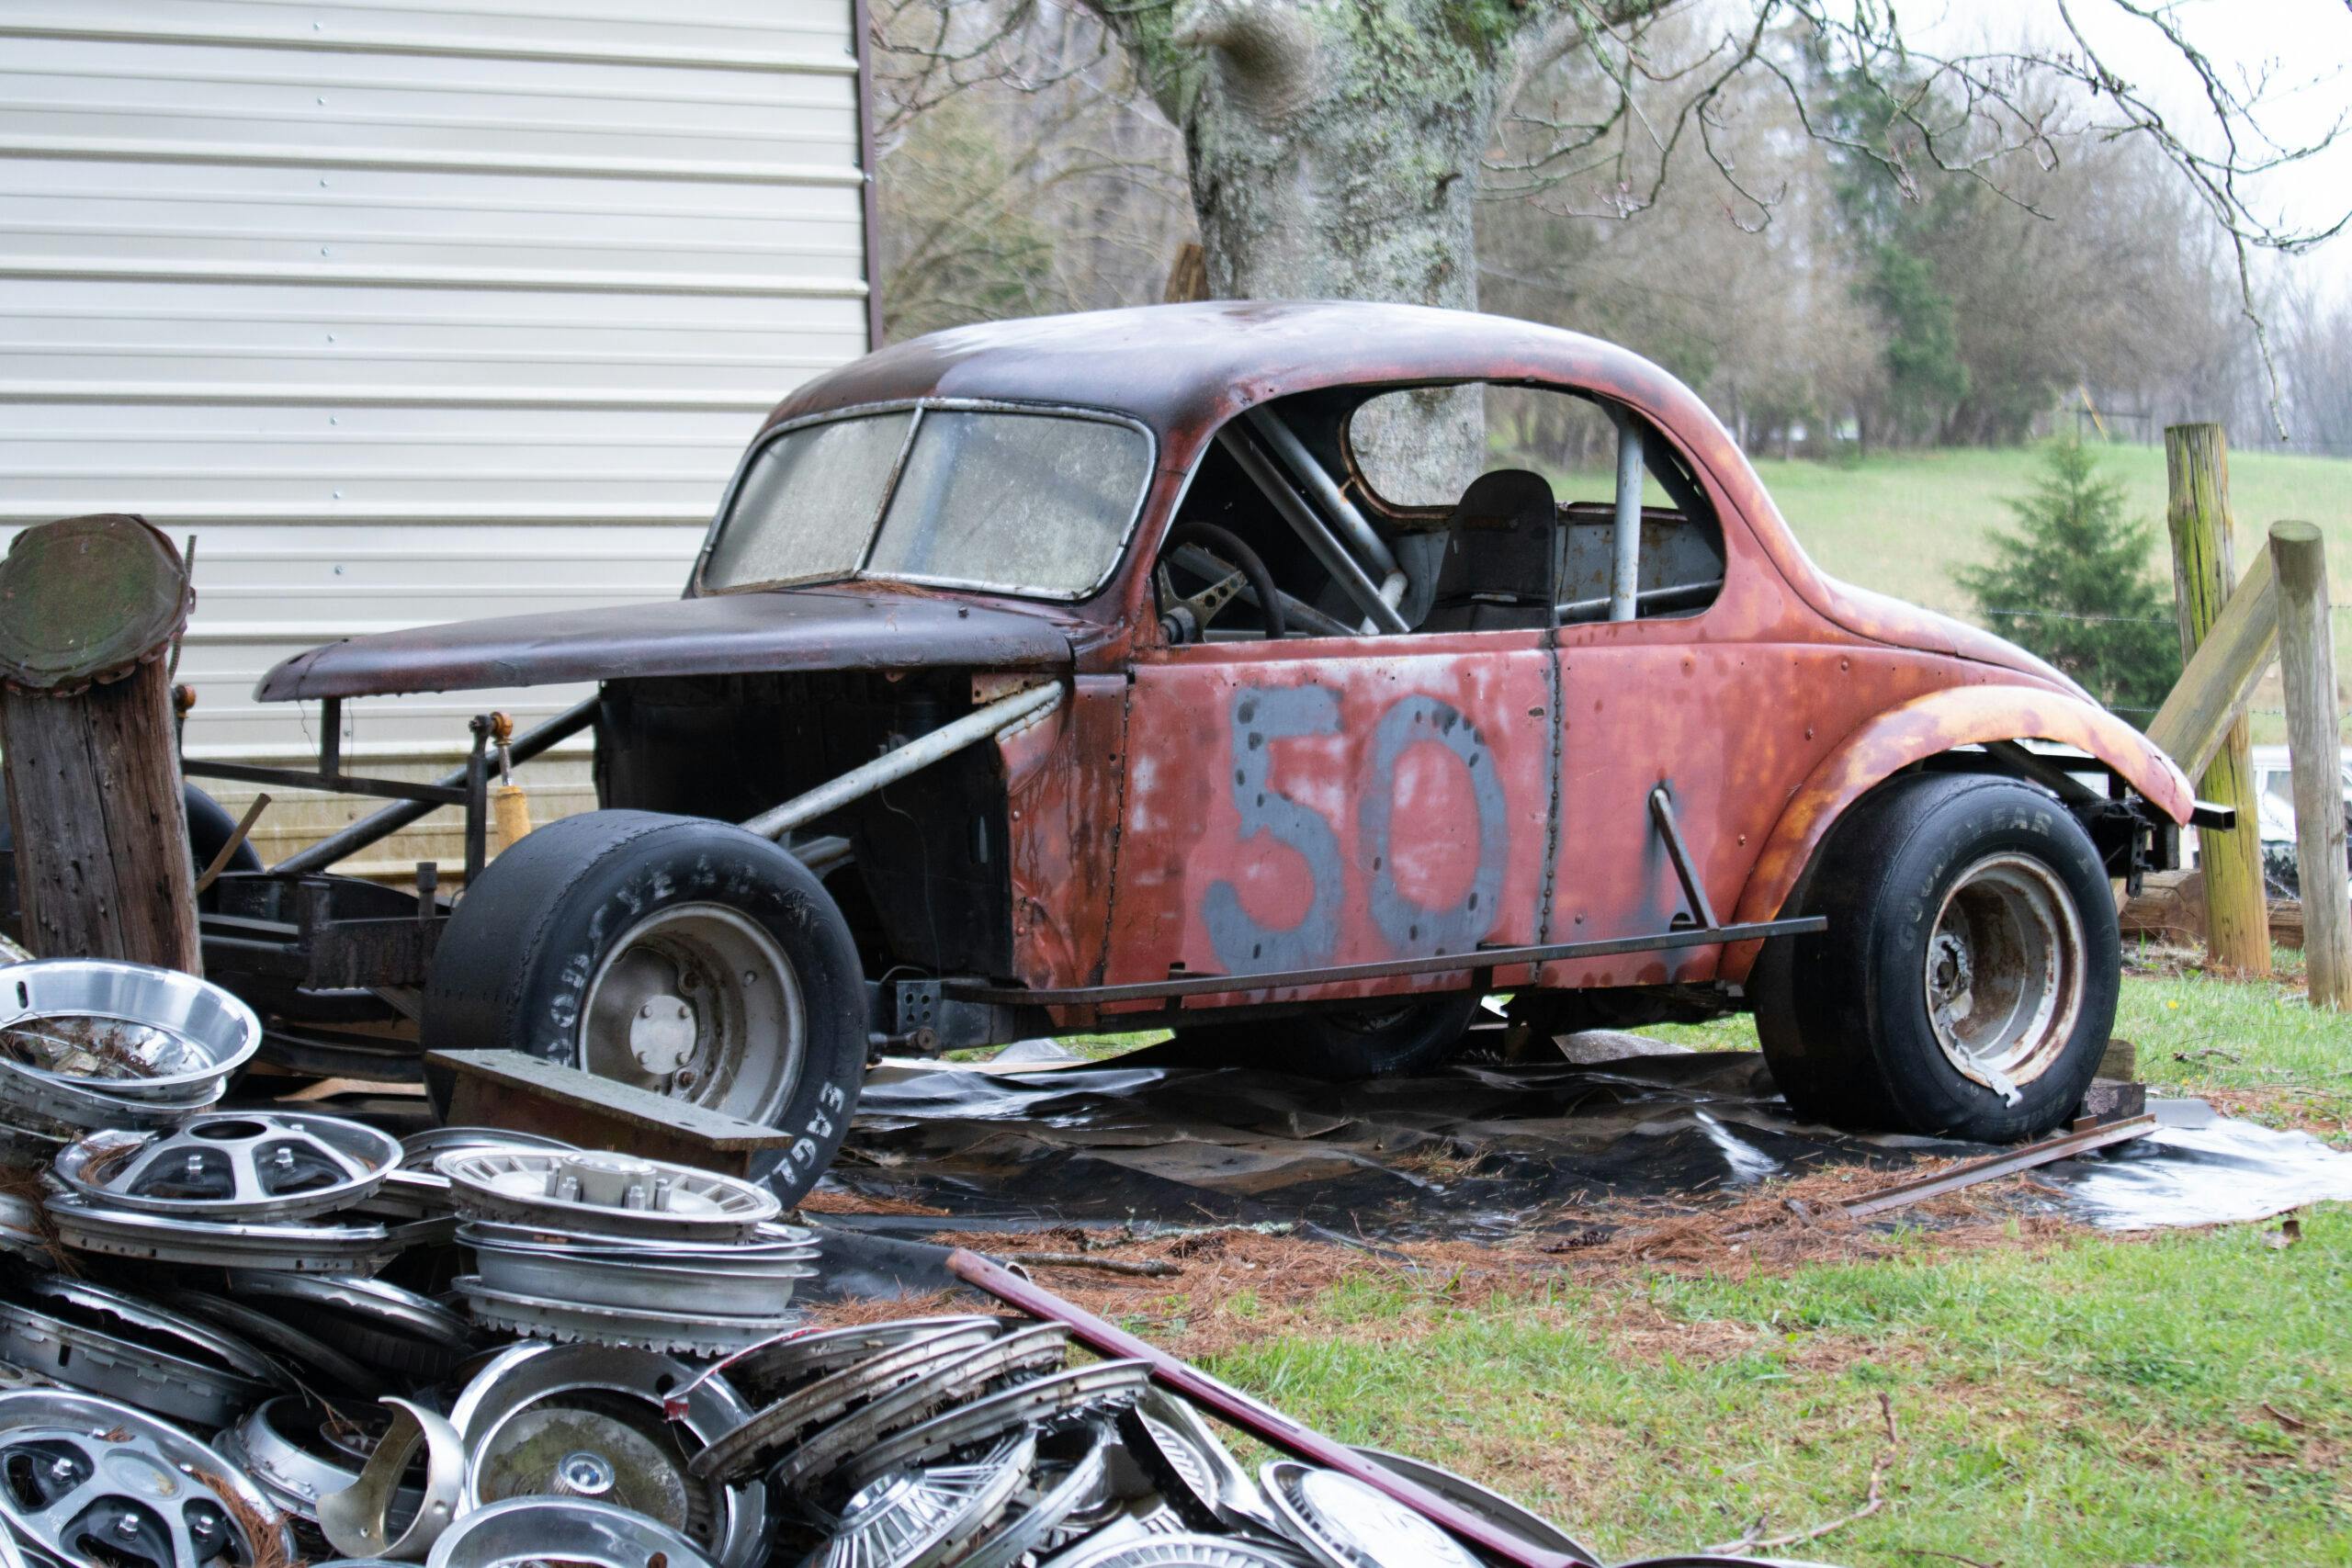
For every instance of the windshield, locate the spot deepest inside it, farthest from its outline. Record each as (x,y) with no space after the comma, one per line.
(1030,503)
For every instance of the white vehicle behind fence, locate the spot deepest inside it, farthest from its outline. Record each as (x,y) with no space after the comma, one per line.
(2273,795)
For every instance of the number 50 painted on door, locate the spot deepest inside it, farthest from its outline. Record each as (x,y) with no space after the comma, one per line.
(1260,716)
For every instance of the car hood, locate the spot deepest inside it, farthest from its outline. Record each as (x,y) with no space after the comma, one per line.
(841,627)
(1884,619)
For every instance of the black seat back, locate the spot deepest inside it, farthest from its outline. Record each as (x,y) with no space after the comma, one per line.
(1502,557)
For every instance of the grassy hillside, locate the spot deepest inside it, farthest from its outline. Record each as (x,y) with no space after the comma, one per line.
(1901,522)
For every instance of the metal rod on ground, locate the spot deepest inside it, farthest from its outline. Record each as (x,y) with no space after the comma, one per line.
(1269,1425)
(2065,1145)
(2307,660)
(979,725)
(2196,467)
(383,824)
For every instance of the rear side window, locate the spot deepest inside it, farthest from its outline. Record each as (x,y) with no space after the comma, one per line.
(1544,439)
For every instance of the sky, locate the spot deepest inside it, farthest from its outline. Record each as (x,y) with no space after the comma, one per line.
(2305,45)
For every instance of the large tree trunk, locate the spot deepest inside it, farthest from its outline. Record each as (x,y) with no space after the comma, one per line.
(1333,152)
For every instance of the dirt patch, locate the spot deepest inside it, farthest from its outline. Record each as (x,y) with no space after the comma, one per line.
(2325,1114)
(841,1200)
(1210,1288)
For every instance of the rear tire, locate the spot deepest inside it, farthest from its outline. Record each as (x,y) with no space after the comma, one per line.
(1967,982)
(1392,1036)
(681,955)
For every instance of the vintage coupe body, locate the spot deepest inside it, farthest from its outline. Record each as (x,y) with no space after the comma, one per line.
(1108,689)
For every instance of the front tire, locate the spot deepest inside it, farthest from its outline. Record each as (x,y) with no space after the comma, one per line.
(677,954)
(1967,982)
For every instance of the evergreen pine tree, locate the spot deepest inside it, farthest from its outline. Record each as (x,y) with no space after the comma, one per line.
(2070,582)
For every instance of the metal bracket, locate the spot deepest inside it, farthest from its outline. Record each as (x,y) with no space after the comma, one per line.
(915,1005)
(1694,893)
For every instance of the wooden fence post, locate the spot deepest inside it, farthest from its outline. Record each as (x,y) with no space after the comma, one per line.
(2307,659)
(2196,467)
(88,608)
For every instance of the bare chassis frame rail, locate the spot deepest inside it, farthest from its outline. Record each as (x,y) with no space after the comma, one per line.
(466,786)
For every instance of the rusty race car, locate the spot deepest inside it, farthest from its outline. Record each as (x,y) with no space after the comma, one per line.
(1079,673)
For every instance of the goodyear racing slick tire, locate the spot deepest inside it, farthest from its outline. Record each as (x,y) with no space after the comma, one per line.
(208,827)
(1393,1036)
(678,954)
(1968,979)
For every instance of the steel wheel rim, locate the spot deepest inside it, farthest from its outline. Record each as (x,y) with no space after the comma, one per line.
(699,1002)
(2004,972)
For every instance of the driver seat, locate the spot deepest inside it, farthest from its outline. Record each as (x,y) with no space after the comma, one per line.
(1501,570)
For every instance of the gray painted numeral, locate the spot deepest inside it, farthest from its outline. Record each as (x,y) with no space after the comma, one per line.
(1409,926)
(1263,714)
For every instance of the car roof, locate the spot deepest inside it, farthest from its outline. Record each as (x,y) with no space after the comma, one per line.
(1183,369)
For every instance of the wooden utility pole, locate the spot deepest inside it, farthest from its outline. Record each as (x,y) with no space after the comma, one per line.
(88,609)
(2307,660)
(2197,465)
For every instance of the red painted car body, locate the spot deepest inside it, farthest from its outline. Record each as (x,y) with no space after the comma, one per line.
(1240,807)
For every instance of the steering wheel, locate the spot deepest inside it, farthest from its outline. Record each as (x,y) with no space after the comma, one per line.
(1187,619)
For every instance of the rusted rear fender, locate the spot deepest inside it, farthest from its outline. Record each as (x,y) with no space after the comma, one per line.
(1923,728)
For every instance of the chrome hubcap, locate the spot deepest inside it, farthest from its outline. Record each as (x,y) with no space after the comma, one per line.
(699,1003)
(2005,973)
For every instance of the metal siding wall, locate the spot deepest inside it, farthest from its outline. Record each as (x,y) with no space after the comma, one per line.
(412,311)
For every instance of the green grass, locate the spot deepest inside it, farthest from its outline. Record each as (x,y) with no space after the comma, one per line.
(1899,522)
(2097,1403)
(2083,1403)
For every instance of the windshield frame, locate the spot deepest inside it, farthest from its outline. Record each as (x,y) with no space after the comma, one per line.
(919,407)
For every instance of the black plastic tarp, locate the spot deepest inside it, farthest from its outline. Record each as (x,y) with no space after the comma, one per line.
(1477,1150)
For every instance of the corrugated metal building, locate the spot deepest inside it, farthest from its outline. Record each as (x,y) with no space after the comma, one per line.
(413,310)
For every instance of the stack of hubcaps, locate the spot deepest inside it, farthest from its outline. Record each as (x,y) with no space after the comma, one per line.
(575,1245)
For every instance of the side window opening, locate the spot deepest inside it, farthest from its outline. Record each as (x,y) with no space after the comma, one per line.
(1603,464)
(1355,544)
(1333,572)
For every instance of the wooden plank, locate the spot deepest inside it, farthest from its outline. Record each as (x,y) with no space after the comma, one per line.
(2307,660)
(2197,466)
(2170,907)
(524,1094)
(2212,694)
